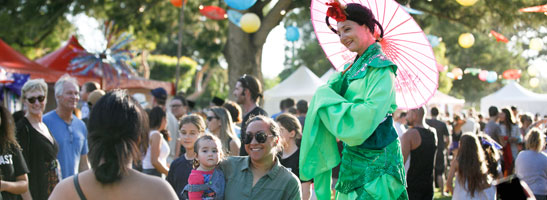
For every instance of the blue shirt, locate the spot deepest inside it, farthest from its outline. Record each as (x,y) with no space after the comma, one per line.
(72,140)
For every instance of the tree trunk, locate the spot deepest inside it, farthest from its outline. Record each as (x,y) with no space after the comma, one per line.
(242,55)
(243,51)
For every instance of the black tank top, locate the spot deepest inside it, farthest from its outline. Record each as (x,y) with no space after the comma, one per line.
(422,162)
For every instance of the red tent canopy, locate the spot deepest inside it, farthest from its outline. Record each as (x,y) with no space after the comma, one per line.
(16,62)
(60,60)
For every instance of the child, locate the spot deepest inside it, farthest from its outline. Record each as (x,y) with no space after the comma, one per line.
(206,182)
(472,178)
(191,128)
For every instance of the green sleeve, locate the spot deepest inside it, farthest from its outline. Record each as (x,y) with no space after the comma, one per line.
(354,120)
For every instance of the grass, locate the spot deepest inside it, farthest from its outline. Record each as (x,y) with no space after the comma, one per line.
(437,195)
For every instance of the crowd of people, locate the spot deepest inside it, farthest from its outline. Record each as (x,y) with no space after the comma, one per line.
(234,150)
(469,155)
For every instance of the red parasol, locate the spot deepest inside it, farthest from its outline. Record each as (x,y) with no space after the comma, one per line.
(542,8)
(404,43)
(213,12)
(499,37)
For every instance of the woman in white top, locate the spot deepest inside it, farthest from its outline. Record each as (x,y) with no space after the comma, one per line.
(155,160)
(470,169)
(531,164)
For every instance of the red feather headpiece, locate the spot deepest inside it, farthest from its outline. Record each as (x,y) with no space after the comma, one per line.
(336,11)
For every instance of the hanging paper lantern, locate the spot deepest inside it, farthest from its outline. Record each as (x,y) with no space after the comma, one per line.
(472,71)
(450,75)
(457,73)
(536,44)
(492,77)
(178,3)
(240,4)
(213,12)
(250,22)
(534,82)
(433,40)
(533,70)
(467,2)
(440,67)
(292,34)
(482,75)
(499,37)
(466,40)
(511,74)
(234,17)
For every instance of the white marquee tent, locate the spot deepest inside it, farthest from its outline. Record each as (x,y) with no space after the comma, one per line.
(301,84)
(446,103)
(513,94)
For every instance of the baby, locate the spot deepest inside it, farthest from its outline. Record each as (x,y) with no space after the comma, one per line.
(205,181)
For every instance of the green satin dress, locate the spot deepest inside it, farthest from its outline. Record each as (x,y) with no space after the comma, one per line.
(355,107)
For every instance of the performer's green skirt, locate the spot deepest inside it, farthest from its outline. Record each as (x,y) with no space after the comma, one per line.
(372,174)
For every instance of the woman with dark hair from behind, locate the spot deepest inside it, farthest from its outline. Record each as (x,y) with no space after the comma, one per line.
(471,172)
(13,169)
(491,154)
(155,159)
(117,128)
(531,164)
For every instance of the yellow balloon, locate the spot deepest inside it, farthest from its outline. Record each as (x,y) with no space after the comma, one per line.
(534,82)
(467,2)
(249,22)
(536,44)
(466,40)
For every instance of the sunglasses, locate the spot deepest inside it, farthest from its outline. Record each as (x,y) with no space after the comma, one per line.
(210,118)
(40,98)
(260,137)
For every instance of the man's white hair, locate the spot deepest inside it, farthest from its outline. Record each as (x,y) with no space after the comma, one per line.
(60,84)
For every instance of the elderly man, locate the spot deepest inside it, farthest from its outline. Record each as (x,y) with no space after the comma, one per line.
(69,131)
(260,175)
(248,91)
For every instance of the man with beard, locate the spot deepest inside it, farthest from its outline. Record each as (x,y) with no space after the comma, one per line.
(247,92)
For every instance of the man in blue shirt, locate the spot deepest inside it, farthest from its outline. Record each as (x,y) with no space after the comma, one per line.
(69,131)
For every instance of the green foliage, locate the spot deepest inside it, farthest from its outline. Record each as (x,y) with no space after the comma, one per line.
(270,83)
(162,67)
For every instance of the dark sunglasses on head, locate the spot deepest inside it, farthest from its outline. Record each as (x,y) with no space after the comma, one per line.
(209,118)
(40,98)
(260,137)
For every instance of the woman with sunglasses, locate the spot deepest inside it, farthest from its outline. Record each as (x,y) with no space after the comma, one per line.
(355,106)
(260,175)
(39,146)
(219,123)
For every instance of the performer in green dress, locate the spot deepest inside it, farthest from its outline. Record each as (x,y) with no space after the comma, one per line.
(355,107)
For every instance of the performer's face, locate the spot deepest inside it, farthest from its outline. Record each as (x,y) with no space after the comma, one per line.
(357,38)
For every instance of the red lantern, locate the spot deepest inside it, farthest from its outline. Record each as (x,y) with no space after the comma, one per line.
(511,74)
(213,12)
(178,3)
(499,37)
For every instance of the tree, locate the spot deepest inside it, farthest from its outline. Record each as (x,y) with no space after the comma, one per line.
(243,51)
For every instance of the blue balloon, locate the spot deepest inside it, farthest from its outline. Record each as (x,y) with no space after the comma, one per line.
(234,17)
(433,40)
(491,77)
(240,4)
(292,34)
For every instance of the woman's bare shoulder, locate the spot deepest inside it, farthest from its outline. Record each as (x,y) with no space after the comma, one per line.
(153,187)
(65,190)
